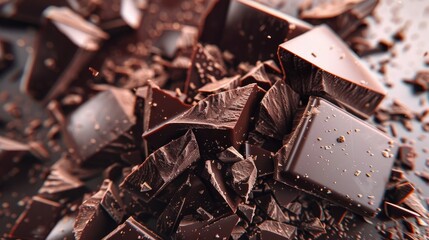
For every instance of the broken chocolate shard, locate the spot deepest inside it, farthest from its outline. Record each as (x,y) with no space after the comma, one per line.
(132,229)
(60,184)
(172,41)
(111,201)
(160,106)
(246,211)
(407,156)
(414,203)
(75,38)
(277,110)
(398,212)
(272,230)
(314,226)
(92,221)
(219,121)
(401,191)
(263,159)
(10,154)
(343,16)
(253,31)
(162,167)
(314,162)
(270,207)
(420,81)
(258,75)
(23,12)
(34,223)
(213,174)
(224,84)
(100,122)
(330,70)
(64,228)
(230,155)
(284,194)
(243,175)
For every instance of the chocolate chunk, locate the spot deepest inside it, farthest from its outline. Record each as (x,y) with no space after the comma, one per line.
(315,162)
(10,153)
(420,81)
(284,194)
(63,229)
(414,203)
(331,70)
(60,184)
(160,106)
(132,229)
(111,202)
(224,84)
(277,110)
(75,38)
(99,123)
(395,211)
(34,223)
(199,75)
(407,156)
(272,230)
(294,207)
(314,226)
(343,16)
(219,121)
(246,211)
(171,41)
(230,155)
(221,228)
(401,192)
(243,177)
(93,222)
(213,173)
(259,75)
(263,159)
(162,167)
(270,207)
(191,195)
(253,31)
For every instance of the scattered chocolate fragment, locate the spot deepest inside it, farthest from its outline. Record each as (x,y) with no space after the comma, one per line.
(414,203)
(230,155)
(395,211)
(132,229)
(420,81)
(284,194)
(111,201)
(224,84)
(60,184)
(277,109)
(331,70)
(342,16)
(314,226)
(101,122)
(272,230)
(10,154)
(259,75)
(246,212)
(243,177)
(263,159)
(407,156)
(401,192)
(270,207)
(63,229)
(34,223)
(219,121)
(324,168)
(162,166)
(75,38)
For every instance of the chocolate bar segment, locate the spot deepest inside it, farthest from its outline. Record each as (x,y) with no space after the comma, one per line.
(100,122)
(219,121)
(50,74)
(162,167)
(34,223)
(348,164)
(331,70)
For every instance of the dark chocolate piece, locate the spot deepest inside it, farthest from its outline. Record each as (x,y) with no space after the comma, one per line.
(420,81)
(100,122)
(27,13)
(224,84)
(10,154)
(163,166)
(243,175)
(270,207)
(401,191)
(160,106)
(93,222)
(75,38)
(407,156)
(171,41)
(394,211)
(246,211)
(414,203)
(60,184)
(263,159)
(253,31)
(132,229)
(277,111)
(330,69)
(258,75)
(284,194)
(219,121)
(111,201)
(342,16)
(272,230)
(213,173)
(230,155)
(314,226)
(63,230)
(352,173)
(34,223)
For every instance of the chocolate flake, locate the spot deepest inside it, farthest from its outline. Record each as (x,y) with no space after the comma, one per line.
(407,156)
(243,177)
(272,230)
(59,184)
(230,155)
(395,211)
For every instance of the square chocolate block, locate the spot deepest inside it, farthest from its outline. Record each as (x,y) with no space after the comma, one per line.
(335,155)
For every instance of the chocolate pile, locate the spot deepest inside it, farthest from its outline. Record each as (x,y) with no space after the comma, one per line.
(209,119)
